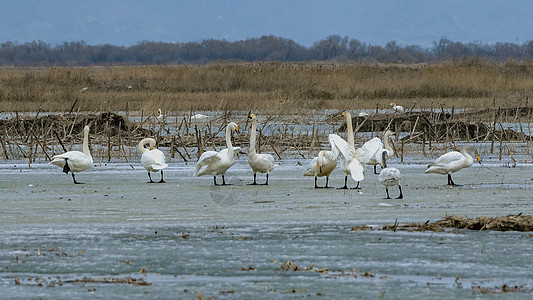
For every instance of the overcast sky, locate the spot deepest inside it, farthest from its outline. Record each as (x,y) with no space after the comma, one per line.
(408,22)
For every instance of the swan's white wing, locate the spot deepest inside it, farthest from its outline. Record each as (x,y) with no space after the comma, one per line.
(389,176)
(331,156)
(262,162)
(368,150)
(208,157)
(356,170)
(342,145)
(447,158)
(153,160)
(77,161)
(312,168)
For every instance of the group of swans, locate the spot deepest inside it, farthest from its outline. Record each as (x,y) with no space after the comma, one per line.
(217,163)
(353,161)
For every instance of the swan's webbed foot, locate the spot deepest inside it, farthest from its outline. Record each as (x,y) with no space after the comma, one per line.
(357,186)
(215,180)
(74,178)
(388,197)
(450,181)
(401,194)
(345,187)
(162,180)
(224,181)
(255,180)
(149,176)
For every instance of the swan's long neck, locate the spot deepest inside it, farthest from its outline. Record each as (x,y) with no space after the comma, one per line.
(141,147)
(386,141)
(228,140)
(86,142)
(251,150)
(349,127)
(465,151)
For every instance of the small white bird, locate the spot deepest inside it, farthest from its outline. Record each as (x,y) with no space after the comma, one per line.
(75,161)
(259,162)
(390,176)
(452,162)
(397,108)
(323,165)
(384,147)
(161,115)
(152,159)
(199,118)
(217,163)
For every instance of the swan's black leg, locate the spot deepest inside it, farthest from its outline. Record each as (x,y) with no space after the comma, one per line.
(357,186)
(66,168)
(224,181)
(150,176)
(345,183)
(75,182)
(327,181)
(266,183)
(401,194)
(376,169)
(316,186)
(387,190)
(215,179)
(162,180)
(255,182)
(450,181)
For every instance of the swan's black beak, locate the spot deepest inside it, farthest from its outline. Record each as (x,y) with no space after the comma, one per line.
(250,116)
(478,159)
(320,168)
(237,130)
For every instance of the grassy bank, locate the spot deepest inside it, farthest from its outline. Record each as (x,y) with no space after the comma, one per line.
(269,87)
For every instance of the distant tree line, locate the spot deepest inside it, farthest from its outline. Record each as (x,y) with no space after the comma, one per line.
(266,48)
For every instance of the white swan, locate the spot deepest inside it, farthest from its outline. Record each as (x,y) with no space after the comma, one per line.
(199,118)
(377,159)
(217,163)
(153,160)
(75,161)
(453,161)
(259,162)
(350,163)
(397,108)
(389,176)
(161,115)
(324,164)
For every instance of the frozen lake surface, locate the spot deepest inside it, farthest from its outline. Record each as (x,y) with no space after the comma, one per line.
(60,240)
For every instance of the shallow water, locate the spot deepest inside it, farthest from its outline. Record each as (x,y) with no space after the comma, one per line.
(230,242)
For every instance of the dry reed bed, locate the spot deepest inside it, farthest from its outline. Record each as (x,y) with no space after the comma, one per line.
(508,223)
(115,136)
(271,87)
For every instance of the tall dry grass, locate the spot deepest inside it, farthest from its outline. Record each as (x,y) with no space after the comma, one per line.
(270,87)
